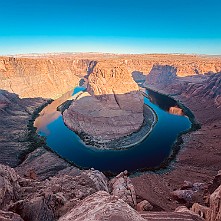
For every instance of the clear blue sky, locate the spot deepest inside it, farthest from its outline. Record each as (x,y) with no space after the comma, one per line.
(119,26)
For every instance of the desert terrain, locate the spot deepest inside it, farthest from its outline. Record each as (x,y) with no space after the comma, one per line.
(37,184)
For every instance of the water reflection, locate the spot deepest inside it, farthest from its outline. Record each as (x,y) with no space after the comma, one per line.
(147,154)
(50,113)
(165,103)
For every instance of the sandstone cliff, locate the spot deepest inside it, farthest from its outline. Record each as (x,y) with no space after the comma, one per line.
(51,75)
(41,77)
(112,106)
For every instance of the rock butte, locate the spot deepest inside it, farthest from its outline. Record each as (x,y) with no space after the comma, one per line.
(111,108)
(42,186)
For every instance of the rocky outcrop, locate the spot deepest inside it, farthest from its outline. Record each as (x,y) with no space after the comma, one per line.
(122,187)
(206,87)
(99,179)
(49,199)
(104,112)
(213,212)
(81,196)
(190,193)
(9,216)
(41,164)
(35,198)
(162,74)
(9,186)
(199,157)
(102,206)
(144,206)
(215,183)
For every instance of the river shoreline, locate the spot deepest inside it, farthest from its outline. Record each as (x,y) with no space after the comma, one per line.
(179,142)
(150,119)
(153,118)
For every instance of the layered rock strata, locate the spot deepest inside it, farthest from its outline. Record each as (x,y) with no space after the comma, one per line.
(111,108)
(51,75)
(15,116)
(41,77)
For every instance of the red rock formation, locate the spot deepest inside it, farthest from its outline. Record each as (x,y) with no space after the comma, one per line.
(213,212)
(112,107)
(122,187)
(102,206)
(198,161)
(41,77)
(51,75)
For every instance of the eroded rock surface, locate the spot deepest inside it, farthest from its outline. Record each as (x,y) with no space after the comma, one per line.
(42,163)
(122,187)
(112,107)
(102,206)
(50,75)
(49,199)
(9,216)
(41,77)
(199,158)
(15,114)
(213,212)
(9,186)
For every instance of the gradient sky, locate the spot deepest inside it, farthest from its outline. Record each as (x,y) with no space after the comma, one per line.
(118,26)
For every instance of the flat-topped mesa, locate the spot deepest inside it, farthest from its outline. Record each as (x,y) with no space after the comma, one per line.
(111,108)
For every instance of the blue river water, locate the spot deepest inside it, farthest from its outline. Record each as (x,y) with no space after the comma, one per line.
(149,153)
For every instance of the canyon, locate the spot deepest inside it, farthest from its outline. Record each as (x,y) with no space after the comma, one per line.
(39,187)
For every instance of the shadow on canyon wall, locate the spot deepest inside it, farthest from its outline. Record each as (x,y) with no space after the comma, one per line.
(16,136)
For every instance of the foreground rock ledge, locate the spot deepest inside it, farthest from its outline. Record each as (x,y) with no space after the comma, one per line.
(111,108)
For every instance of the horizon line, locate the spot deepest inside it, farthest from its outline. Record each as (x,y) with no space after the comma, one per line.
(107,53)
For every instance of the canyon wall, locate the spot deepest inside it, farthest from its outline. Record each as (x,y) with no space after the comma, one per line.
(186,65)
(51,75)
(41,77)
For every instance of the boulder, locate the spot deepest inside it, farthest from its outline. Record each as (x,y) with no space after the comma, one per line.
(144,206)
(102,206)
(213,212)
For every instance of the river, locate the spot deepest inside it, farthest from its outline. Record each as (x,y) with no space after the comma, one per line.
(150,153)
